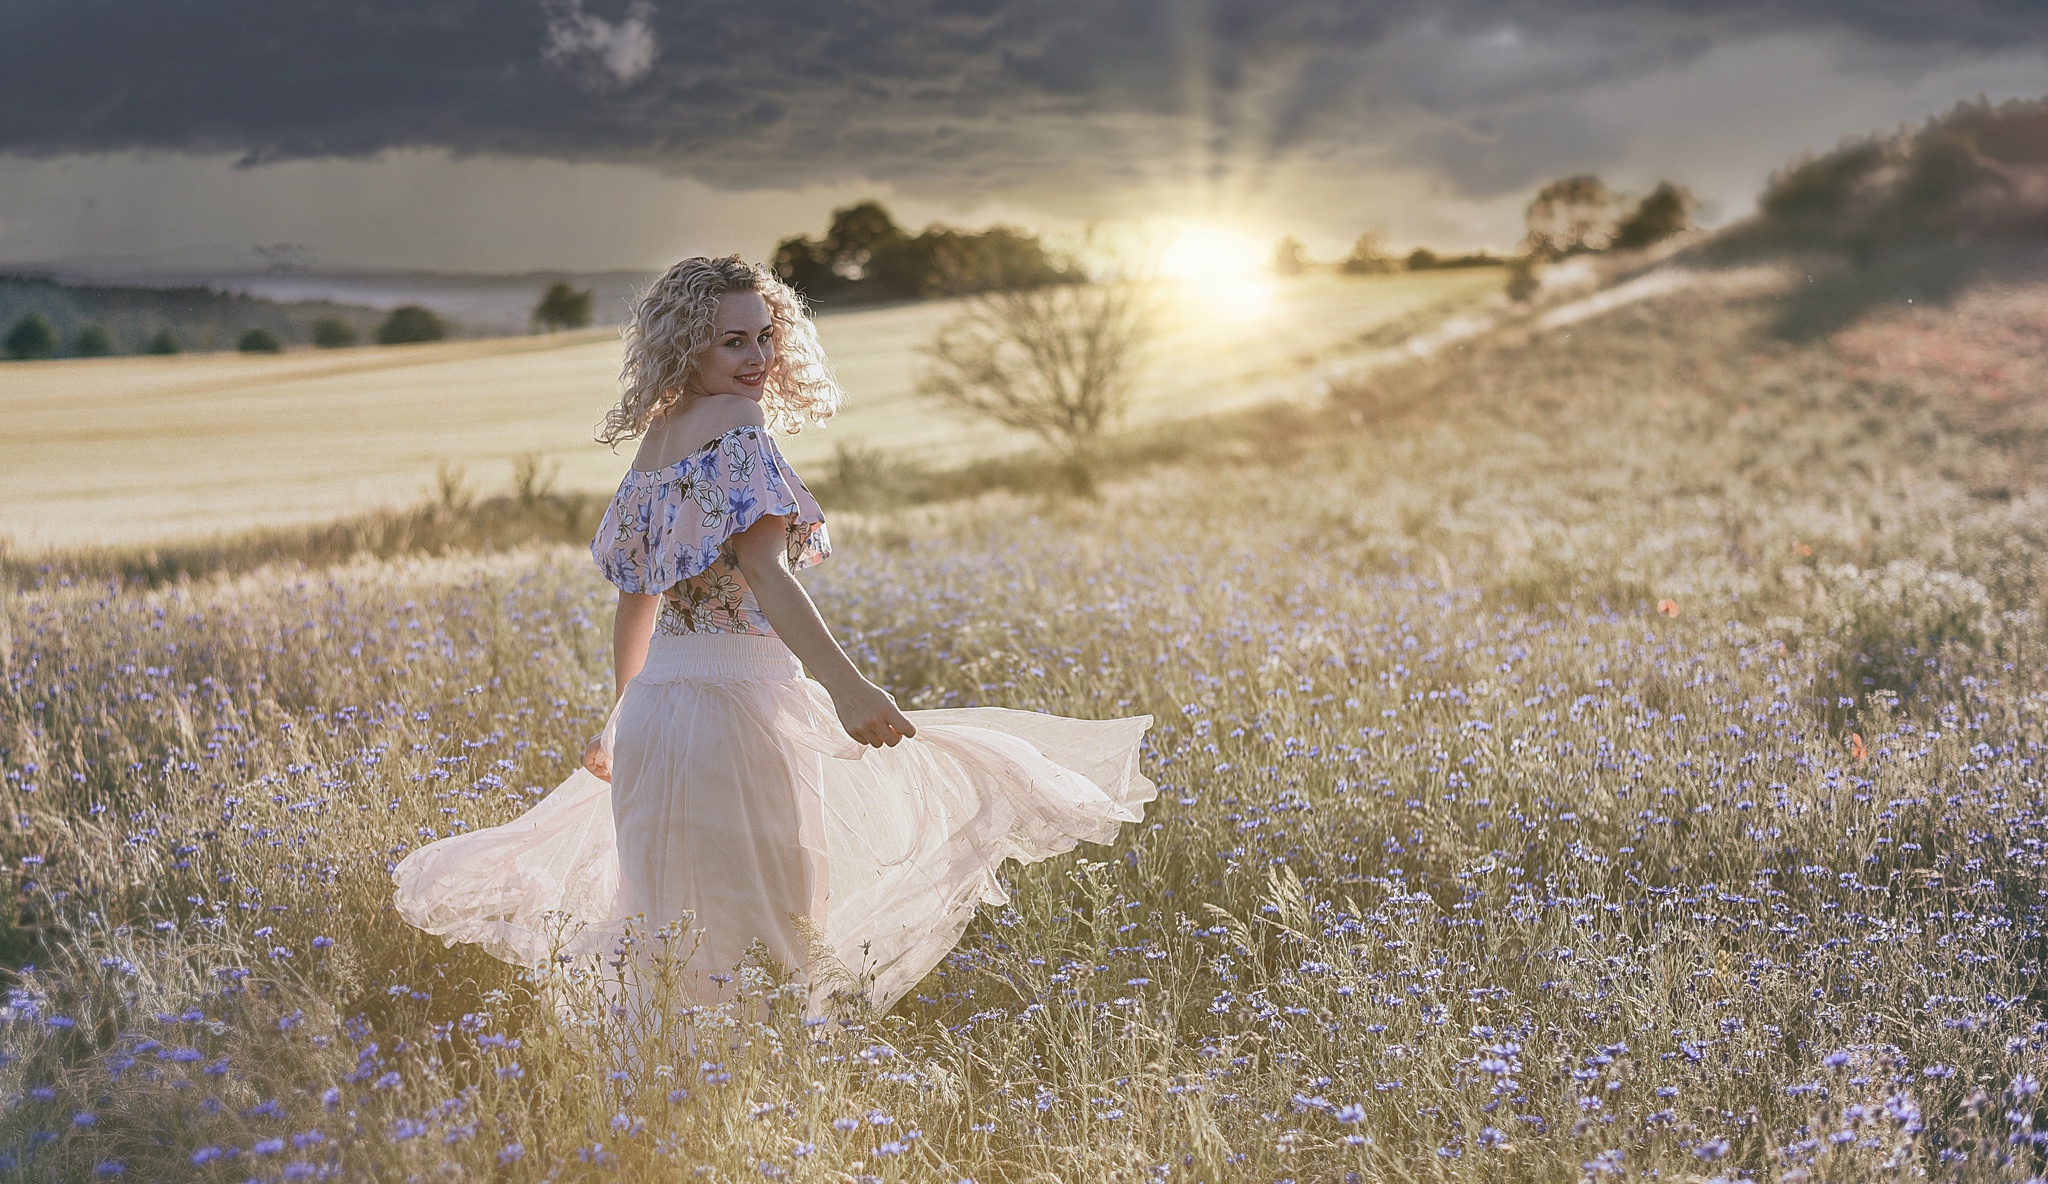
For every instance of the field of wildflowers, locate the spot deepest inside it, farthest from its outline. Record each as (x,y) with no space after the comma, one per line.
(1607,754)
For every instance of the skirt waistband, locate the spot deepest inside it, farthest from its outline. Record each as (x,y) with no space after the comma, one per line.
(719,657)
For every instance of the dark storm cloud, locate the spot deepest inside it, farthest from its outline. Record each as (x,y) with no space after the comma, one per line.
(968,93)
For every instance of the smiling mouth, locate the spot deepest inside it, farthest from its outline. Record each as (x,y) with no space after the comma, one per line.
(751,379)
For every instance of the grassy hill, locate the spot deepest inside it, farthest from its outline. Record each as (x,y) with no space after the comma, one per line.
(1608,749)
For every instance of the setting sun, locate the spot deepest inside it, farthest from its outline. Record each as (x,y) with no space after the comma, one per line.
(1219,271)
(1204,251)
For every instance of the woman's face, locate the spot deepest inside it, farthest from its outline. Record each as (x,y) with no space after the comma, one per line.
(741,350)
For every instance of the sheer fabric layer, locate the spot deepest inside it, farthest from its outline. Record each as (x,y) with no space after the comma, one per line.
(738,805)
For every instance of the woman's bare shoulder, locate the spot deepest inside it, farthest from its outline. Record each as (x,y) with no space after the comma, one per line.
(685,433)
(719,414)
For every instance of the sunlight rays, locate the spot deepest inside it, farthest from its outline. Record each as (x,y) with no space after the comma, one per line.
(1217,269)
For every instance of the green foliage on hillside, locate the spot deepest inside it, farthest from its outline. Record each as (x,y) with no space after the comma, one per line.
(865,256)
(128,318)
(1978,171)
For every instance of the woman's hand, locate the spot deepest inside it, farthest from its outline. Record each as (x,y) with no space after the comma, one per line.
(596,759)
(869,715)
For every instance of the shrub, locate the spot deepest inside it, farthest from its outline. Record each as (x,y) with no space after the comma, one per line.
(1667,211)
(260,341)
(1522,279)
(409,323)
(91,341)
(333,333)
(165,342)
(562,307)
(31,337)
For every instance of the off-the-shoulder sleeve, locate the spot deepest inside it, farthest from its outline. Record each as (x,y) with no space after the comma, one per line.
(667,525)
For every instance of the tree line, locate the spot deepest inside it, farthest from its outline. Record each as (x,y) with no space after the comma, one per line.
(31,337)
(1568,216)
(1976,172)
(865,256)
(63,320)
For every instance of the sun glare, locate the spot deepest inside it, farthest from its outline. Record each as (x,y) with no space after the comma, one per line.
(1223,270)
(1202,251)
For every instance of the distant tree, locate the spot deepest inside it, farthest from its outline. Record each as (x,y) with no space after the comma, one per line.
(562,307)
(1056,360)
(857,232)
(31,337)
(164,342)
(1421,259)
(1570,215)
(1369,255)
(961,262)
(409,323)
(260,341)
(91,341)
(1289,256)
(805,264)
(333,333)
(1668,210)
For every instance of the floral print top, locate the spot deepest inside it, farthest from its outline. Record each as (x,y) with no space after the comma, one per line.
(669,531)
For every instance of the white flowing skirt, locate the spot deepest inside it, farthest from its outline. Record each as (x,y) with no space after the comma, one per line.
(740,810)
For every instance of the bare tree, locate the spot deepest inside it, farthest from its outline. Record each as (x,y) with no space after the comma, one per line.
(1057,360)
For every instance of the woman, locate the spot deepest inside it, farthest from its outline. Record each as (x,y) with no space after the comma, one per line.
(746,801)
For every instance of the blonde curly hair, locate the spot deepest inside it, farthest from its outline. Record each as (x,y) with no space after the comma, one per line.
(672,324)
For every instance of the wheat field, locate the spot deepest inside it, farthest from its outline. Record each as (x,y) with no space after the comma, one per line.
(136,450)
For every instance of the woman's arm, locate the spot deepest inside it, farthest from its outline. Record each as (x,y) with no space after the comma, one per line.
(865,710)
(632,628)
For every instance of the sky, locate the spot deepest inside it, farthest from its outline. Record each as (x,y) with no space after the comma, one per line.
(518,135)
